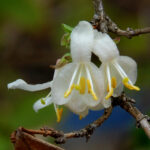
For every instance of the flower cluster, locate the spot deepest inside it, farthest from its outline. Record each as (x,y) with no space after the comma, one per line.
(81,85)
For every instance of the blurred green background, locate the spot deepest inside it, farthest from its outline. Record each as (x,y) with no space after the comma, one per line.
(30,33)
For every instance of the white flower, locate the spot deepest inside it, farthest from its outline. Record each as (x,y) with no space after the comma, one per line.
(117,70)
(79,84)
(42,102)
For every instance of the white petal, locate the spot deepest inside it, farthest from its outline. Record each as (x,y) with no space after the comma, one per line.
(21,84)
(82,38)
(104,47)
(106,103)
(76,104)
(98,85)
(38,105)
(119,86)
(61,84)
(84,113)
(98,107)
(129,66)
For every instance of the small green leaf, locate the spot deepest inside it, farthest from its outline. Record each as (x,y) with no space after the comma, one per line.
(67,28)
(65,40)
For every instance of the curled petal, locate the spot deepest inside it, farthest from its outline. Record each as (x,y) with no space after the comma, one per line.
(21,84)
(39,104)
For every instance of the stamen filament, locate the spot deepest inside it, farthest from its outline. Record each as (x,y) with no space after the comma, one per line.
(90,91)
(126,81)
(113,83)
(71,86)
(108,76)
(110,93)
(68,92)
(121,71)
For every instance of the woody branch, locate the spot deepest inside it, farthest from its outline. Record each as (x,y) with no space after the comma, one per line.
(103,23)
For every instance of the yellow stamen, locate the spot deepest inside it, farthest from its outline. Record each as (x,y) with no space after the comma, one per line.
(77,87)
(110,93)
(82,85)
(42,101)
(107,88)
(129,86)
(113,82)
(94,95)
(68,92)
(59,114)
(80,117)
(89,86)
(90,91)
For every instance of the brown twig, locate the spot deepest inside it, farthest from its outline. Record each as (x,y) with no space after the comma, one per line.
(61,137)
(123,101)
(103,23)
(142,120)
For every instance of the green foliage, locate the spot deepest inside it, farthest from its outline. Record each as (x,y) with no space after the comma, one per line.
(24,13)
(67,28)
(65,40)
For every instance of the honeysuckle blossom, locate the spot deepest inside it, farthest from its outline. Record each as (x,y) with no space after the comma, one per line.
(42,102)
(117,70)
(79,84)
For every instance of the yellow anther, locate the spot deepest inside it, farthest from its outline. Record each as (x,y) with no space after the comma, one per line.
(82,85)
(80,117)
(129,86)
(113,82)
(110,93)
(59,114)
(68,92)
(42,101)
(90,90)
(76,87)
(107,88)
(89,86)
